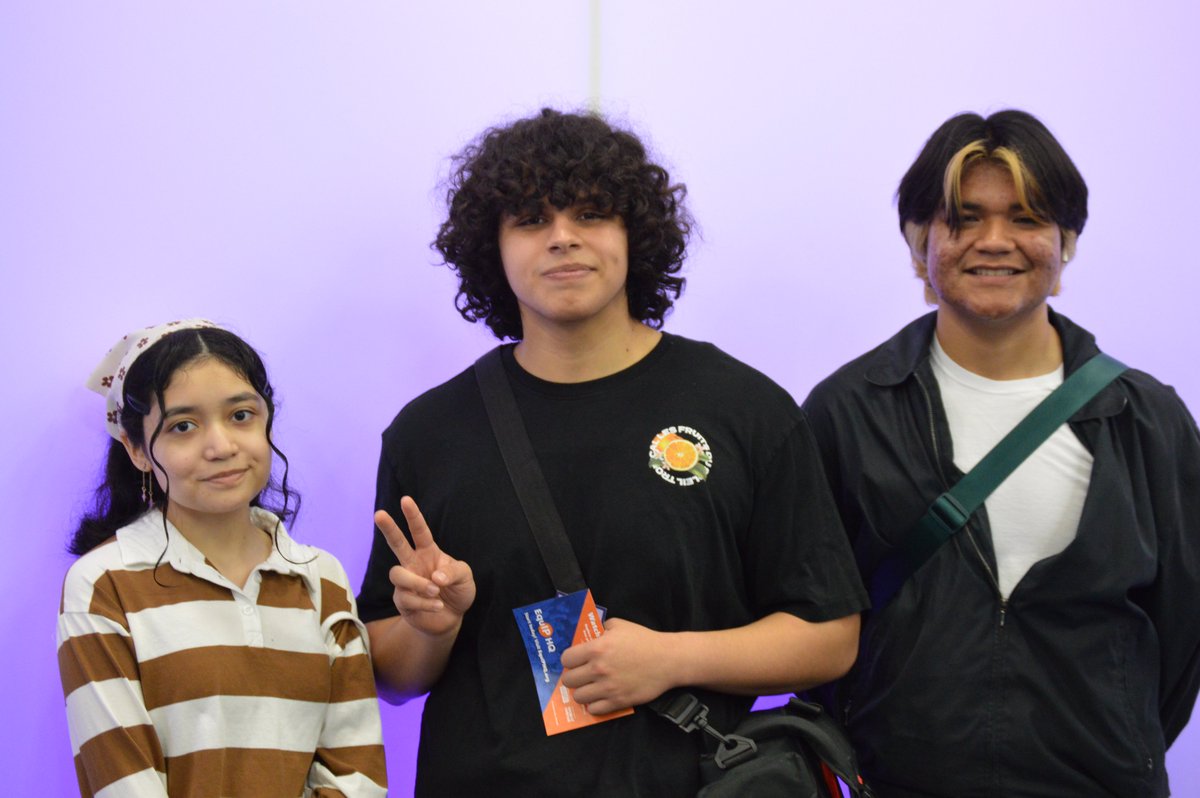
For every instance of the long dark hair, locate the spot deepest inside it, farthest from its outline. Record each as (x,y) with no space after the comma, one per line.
(118,499)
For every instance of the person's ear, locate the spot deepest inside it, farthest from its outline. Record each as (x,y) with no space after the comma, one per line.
(917,236)
(136,455)
(1069,239)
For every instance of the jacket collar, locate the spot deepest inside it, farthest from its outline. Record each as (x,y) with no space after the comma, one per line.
(898,358)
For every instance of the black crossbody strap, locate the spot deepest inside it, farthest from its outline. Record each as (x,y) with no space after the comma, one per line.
(526,474)
(682,709)
(951,511)
(544,520)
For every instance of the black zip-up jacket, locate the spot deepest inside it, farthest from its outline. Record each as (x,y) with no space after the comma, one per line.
(1077,684)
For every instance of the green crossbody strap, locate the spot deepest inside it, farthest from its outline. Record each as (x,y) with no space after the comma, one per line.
(950,511)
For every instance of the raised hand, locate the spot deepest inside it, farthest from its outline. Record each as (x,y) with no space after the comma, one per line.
(432,589)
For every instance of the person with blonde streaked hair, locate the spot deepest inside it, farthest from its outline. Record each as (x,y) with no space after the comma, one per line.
(1047,647)
(202,651)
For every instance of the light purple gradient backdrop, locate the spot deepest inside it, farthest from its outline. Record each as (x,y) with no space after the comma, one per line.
(273,166)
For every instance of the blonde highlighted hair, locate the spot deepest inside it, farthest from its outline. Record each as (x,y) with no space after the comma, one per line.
(1029,193)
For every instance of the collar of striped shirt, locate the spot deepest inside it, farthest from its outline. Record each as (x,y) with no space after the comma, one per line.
(141,545)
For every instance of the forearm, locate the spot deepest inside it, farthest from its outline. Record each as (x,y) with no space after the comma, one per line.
(407,662)
(776,654)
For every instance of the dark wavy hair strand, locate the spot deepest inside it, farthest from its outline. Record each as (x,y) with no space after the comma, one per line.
(563,159)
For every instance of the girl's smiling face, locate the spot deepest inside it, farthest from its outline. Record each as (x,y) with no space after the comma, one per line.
(211,455)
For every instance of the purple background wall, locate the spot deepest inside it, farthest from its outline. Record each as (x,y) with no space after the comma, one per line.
(273,166)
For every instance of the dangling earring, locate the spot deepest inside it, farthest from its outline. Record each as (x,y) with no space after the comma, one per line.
(147,490)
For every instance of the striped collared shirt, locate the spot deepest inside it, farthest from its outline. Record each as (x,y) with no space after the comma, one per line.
(179,682)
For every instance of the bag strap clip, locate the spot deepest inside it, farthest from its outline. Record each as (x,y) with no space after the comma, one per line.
(689,713)
(734,749)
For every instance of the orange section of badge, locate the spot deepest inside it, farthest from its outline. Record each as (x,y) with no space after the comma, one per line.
(563,713)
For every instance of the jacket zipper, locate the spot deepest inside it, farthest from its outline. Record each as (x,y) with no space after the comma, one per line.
(937,461)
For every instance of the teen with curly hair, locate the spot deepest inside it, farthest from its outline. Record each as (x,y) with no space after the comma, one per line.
(561,160)
(688,484)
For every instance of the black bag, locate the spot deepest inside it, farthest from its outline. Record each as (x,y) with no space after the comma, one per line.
(793,751)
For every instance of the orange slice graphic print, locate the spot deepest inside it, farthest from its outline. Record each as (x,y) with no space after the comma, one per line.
(680,460)
(681,455)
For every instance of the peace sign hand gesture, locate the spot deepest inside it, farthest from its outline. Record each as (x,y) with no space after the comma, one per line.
(432,589)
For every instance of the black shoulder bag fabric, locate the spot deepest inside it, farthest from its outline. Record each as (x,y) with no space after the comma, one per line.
(794,751)
(950,512)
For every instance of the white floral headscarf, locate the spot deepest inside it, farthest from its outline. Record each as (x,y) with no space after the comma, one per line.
(108,379)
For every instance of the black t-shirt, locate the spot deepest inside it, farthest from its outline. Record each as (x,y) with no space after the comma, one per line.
(691,491)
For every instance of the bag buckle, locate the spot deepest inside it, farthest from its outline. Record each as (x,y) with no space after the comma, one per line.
(688,713)
(949,513)
(734,749)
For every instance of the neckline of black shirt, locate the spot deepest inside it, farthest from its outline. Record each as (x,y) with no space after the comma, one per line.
(573,390)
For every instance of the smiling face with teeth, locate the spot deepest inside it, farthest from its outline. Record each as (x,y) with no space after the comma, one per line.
(1001,264)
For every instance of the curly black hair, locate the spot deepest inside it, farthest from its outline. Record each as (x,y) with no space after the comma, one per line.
(563,159)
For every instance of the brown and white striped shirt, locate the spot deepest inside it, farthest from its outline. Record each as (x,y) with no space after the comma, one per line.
(189,685)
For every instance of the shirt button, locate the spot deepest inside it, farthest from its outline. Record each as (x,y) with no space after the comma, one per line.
(247,610)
